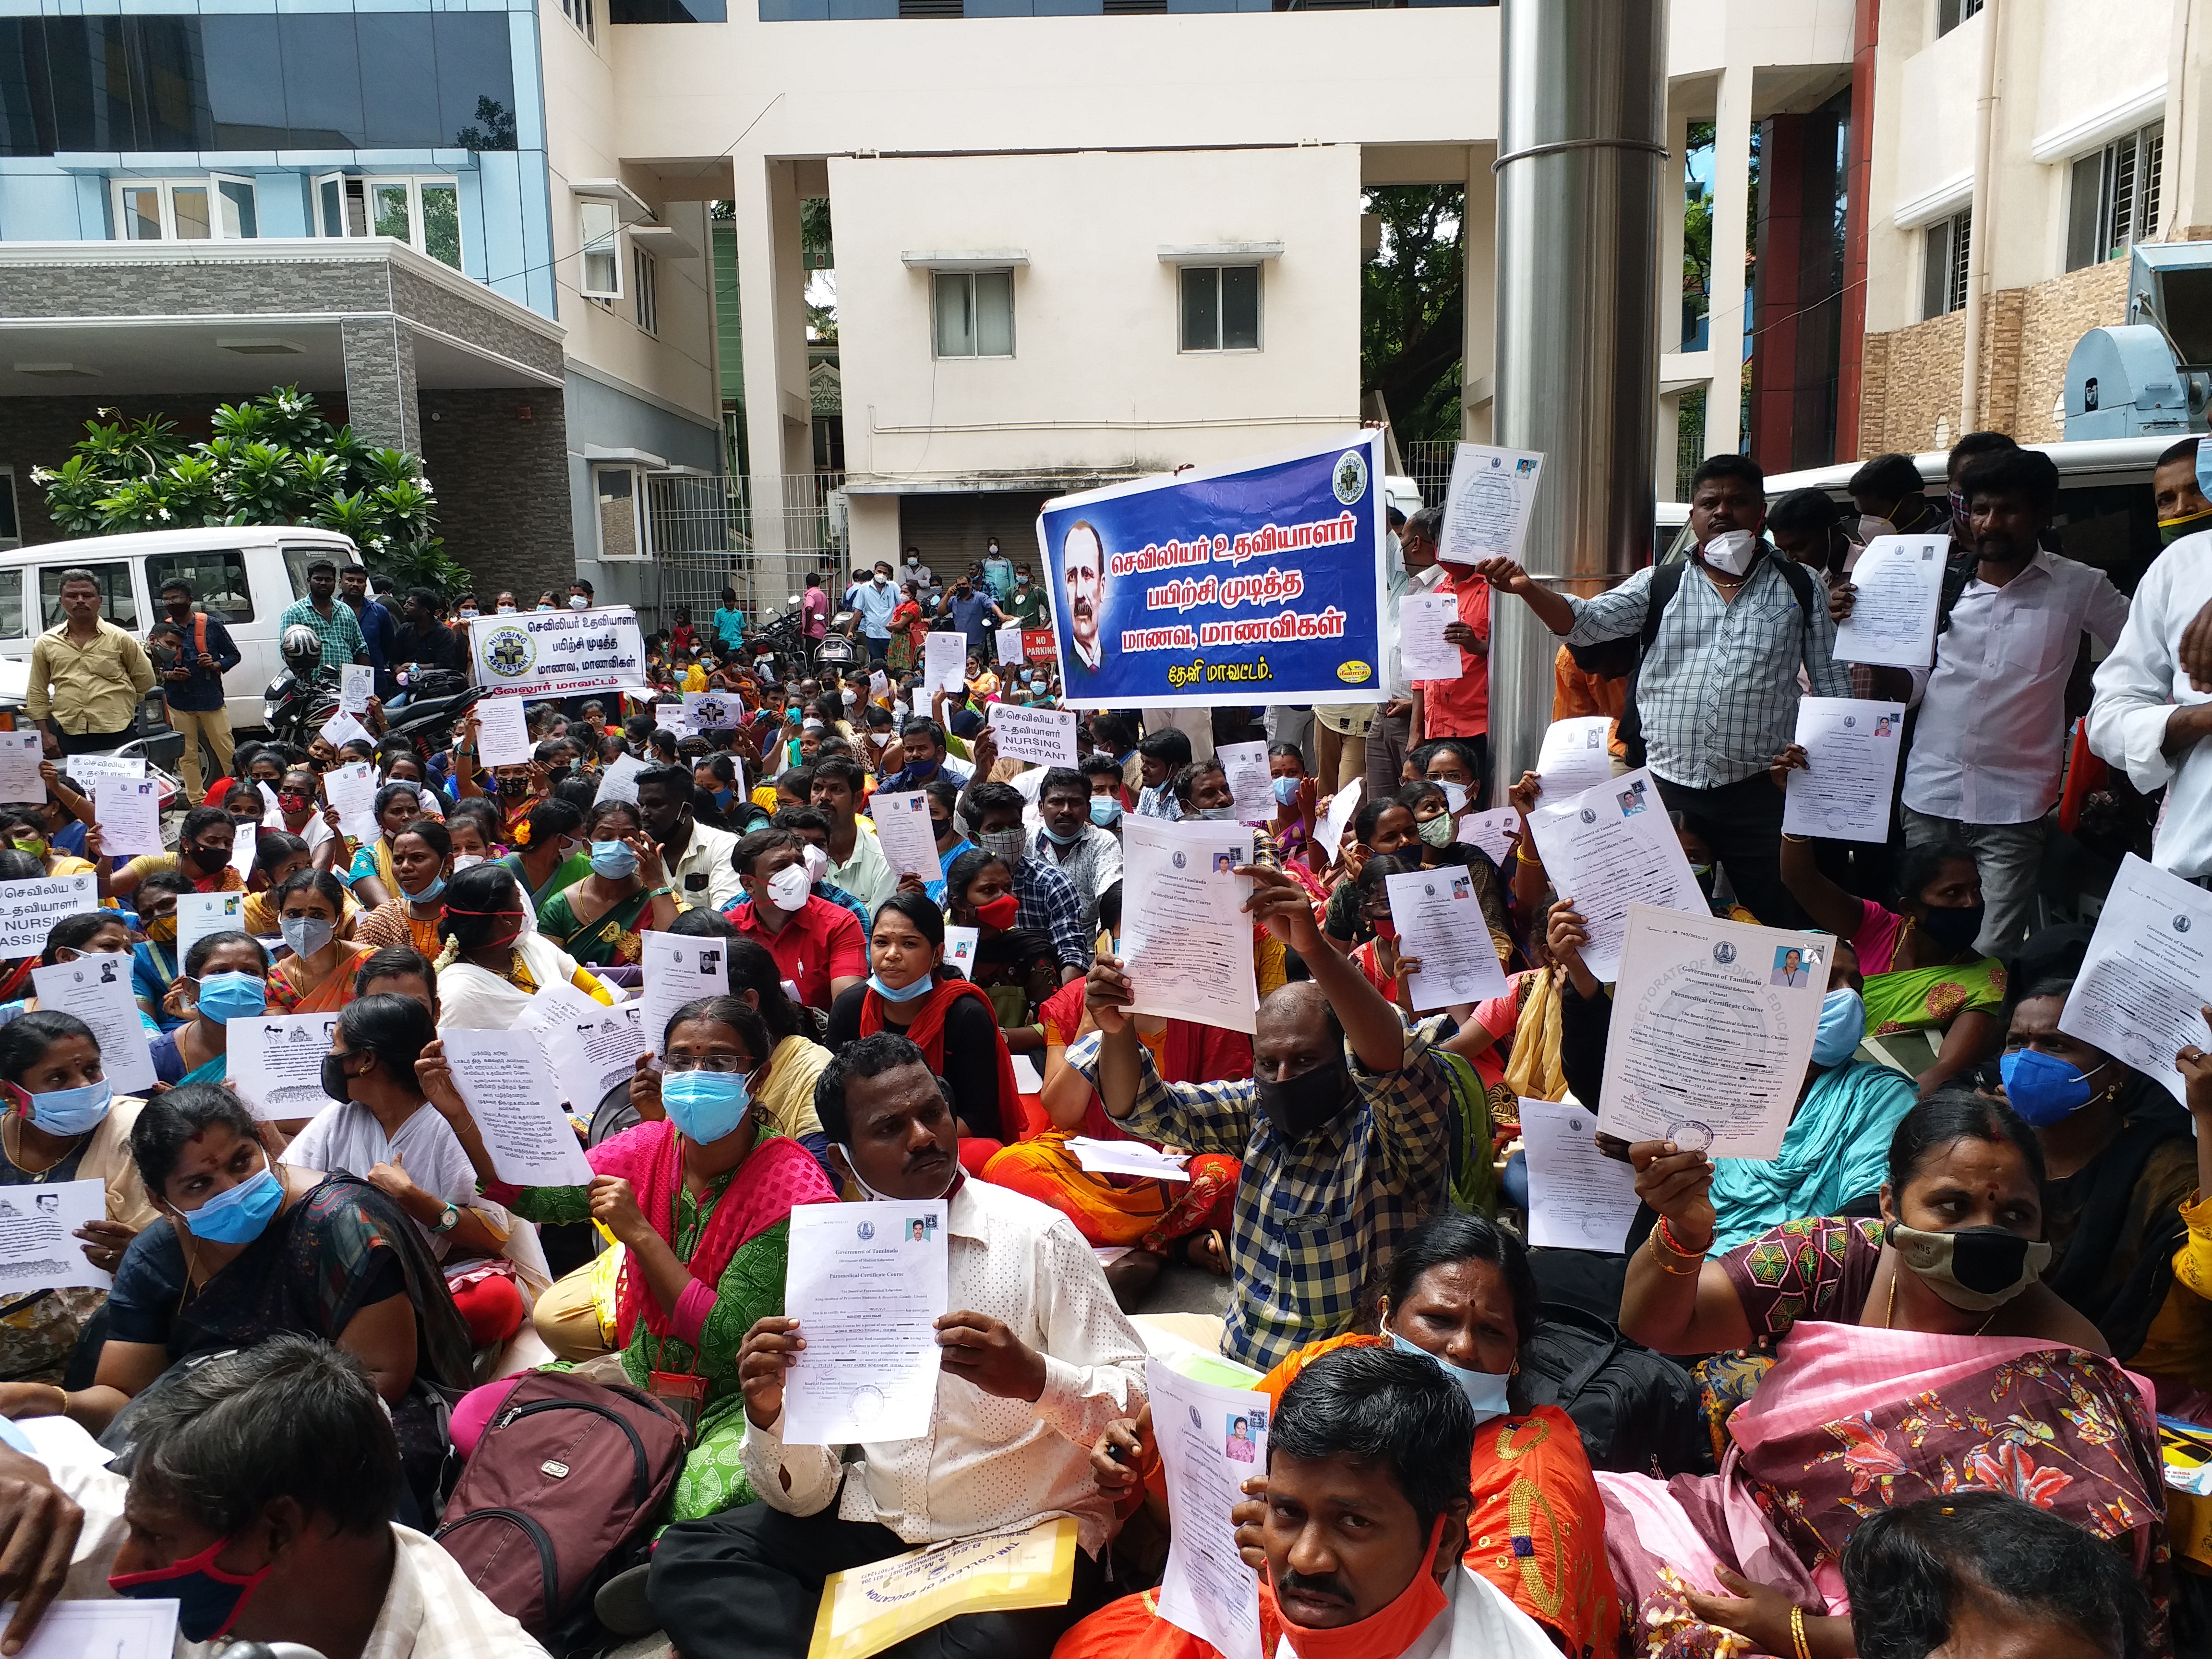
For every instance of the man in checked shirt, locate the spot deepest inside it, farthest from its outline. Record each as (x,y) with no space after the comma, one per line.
(1345,1128)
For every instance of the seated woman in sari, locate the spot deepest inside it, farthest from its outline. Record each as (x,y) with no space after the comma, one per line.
(225,978)
(1836,1150)
(317,978)
(1932,999)
(422,859)
(370,875)
(549,851)
(785,1091)
(700,1200)
(475,829)
(911,991)
(1461,1294)
(488,966)
(1015,969)
(203,849)
(87,933)
(63,1122)
(2130,1234)
(154,955)
(245,1248)
(1378,827)
(1918,1354)
(25,829)
(602,918)
(300,812)
(278,856)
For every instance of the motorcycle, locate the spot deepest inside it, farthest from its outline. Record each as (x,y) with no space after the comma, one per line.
(294,709)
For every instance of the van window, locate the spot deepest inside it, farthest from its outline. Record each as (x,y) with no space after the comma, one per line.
(217,575)
(297,559)
(117,602)
(12,606)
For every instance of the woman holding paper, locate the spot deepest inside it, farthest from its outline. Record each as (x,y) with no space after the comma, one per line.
(398,805)
(277,857)
(422,859)
(599,921)
(318,977)
(204,851)
(488,966)
(225,978)
(63,1122)
(1917,1352)
(1932,999)
(702,1200)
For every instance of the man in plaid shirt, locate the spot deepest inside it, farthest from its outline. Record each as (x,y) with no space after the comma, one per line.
(1344,1128)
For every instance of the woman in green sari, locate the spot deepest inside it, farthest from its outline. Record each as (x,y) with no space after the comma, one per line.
(601,920)
(547,856)
(702,1202)
(1932,1001)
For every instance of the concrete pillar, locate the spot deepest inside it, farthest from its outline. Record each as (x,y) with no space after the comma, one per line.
(1731,203)
(379,371)
(771,289)
(1666,461)
(2187,190)
(1479,243)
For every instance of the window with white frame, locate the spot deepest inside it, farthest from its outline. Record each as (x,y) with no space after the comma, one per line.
(423,213)
(578,12)
(2112,202)
(185,209)
(975,314)
(621,534)
(1943,272)
(1949,13)
(599,274)
(643,281)
(1221,307)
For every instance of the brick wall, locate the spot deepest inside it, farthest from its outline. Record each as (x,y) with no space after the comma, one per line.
(2027,334)
(502,485)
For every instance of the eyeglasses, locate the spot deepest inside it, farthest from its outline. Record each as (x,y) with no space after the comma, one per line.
(723,1063)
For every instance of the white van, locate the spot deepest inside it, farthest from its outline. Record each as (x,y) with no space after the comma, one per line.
(244,574)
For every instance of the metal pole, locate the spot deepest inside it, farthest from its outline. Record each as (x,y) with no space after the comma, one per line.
(1978,224)
(1581,151)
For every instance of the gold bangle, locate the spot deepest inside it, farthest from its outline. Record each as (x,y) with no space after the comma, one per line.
(1521,854)
(1797,1633)
(1671,1272)
(1800,839)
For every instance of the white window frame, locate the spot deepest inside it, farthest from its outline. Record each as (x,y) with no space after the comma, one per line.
(1957,232)
(366,184)
(644,280)
(968,275)
(212,183)
(1259,270)
(2143,202)
(579,13)
(599,224)
(643,549)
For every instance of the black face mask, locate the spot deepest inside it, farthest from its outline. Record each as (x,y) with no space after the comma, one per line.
(335,1077)
(211,858)
(1953,927)
(1300,1105)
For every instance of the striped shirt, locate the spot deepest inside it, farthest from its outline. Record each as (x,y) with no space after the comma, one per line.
(1317,1220)
(1718,691)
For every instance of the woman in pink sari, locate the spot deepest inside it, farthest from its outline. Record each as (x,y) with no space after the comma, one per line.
(1916,1355)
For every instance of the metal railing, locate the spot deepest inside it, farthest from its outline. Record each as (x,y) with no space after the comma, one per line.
(1428,464)
(761,536)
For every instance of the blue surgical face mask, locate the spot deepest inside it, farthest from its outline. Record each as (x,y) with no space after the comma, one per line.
(1067,840)
(1105,810)
(72,1111)
(705,1106)
(240,1214)
(1286,790)
(226,997)
(2043,1088)
(1484,1390)
(723,797)
(437,886)
(920,988)
(613,860)
(1843,1026)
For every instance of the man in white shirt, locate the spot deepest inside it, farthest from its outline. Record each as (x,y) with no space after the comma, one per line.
(2153,713)
(277,1467)
(1037,1360)
(1413,570)
(697,857)
(1990,745)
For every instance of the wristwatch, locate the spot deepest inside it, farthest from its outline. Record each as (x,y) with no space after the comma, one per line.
(446,1222)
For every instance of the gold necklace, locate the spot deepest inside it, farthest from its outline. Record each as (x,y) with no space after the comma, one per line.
(15,1154)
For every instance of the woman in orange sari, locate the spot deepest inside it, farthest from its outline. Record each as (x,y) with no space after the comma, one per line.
(1461,1293)
(318,977)
(422,859)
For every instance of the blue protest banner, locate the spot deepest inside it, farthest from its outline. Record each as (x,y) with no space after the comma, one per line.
(1257,582)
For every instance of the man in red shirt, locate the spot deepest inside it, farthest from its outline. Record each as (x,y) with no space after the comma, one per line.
(815,605)
(818,946)
(1461,708)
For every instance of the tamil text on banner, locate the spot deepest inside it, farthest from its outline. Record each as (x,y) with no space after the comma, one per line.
(1258,582)
(559,653)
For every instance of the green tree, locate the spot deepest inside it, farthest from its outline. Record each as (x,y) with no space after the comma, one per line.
(271,460)
(1412,297)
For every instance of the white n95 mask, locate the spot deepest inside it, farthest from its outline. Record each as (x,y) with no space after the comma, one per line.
(1731,552)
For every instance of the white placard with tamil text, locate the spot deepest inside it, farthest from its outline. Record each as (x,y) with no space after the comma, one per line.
(867,1284)
(1186,941)
(1212,1440)
(1578,1198)
(1487,507)
(1441,924)
(678,970)
(906,834)
(502,733)
(1010,645)
(1610,847)
(2148,974)
(1900,585)
(201,914)
(1494,832)
(352,789)
(129,815)
(1851,745)
(30,907)
(86,771)
(592,1047)
(38,1251)
(1574,755)
(97,990)
(713,711)
(342,728)
(1046,736)
(1423,650)
(618,778)
(21,756)
(356,685)
(1251,785)
(944,662)
(276,1063)
(1713,1024)
(505,1080)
